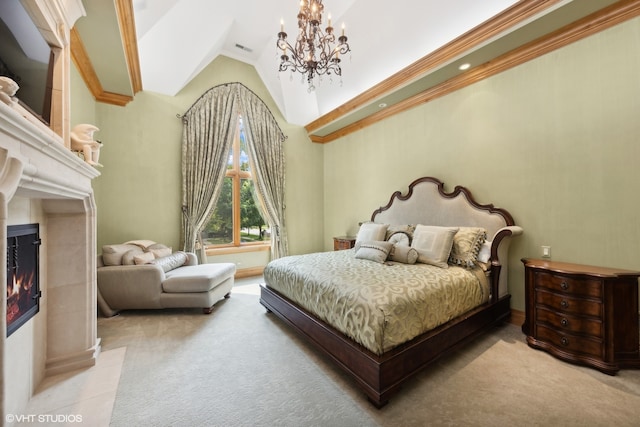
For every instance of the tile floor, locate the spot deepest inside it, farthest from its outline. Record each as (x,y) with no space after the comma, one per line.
(85,395)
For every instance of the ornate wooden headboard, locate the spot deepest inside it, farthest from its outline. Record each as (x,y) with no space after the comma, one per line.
(428,203)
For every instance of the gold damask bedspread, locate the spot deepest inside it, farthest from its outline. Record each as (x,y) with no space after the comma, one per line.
(380,306)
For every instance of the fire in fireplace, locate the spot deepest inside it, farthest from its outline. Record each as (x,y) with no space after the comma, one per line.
(23,289)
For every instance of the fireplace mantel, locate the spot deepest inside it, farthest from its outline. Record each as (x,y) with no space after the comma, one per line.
(49,168)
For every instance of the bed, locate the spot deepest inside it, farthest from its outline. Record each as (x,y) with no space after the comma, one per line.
(380,315)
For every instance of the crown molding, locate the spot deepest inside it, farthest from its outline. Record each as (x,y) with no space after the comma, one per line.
(80,57)
(127,24)
(585,27)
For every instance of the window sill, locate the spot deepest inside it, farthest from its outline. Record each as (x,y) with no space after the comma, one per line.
(237,249)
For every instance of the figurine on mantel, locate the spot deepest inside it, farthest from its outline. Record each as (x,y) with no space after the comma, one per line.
(82,141)
(8,89)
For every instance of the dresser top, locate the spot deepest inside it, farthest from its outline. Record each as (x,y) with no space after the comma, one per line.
(565,267)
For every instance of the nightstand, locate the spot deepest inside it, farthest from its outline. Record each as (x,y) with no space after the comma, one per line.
(343,242)
(583,314)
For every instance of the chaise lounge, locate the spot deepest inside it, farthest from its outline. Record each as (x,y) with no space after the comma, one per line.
(146,275)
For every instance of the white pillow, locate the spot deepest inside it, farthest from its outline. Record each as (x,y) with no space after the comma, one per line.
(433,244)
(377,251)
(485,252)
(399,239)
(371,232)
(143,258)
(403,254)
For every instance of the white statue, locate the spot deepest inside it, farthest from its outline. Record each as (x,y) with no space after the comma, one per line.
(8,88)
(82,141)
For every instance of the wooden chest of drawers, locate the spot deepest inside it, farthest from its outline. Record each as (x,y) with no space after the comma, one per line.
(583,314)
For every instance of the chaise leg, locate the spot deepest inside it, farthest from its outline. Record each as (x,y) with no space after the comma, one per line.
(208,310)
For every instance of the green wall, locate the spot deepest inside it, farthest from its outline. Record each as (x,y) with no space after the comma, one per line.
(83,105)
(138,194)
(555,141)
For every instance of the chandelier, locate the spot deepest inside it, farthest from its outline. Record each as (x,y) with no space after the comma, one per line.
(315,51)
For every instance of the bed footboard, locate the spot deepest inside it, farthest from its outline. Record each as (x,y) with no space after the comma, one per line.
(382,376)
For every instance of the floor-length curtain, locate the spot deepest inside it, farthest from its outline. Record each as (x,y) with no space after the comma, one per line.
(207,136)
(209,127)
(264,142)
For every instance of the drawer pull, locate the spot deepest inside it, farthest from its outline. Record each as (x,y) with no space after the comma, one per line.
(564,304)
(564,322)
(564,285)
(564,341)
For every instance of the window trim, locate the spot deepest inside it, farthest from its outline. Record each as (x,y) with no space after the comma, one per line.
(247,247)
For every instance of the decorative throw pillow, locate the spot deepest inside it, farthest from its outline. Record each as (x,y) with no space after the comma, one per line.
(112,254)
(485,251)
(433,244)
(371,231)
(404,254)
(128,257)
(143,258)
(399,239)
(171,262)
(159,250)
(406,229)
(466,245)
(377,251)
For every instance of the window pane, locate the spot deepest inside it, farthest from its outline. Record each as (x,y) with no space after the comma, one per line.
(230,159)
(244,157)
(219,230)
(253,227)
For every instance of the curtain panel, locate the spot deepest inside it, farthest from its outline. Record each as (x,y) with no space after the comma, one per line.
(208,132)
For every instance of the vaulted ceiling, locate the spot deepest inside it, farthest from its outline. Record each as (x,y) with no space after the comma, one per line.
(402,52)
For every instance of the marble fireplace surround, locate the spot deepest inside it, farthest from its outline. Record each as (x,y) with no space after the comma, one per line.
(43,181)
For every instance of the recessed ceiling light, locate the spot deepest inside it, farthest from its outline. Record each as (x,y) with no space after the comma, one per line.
(464,66)
(382,105)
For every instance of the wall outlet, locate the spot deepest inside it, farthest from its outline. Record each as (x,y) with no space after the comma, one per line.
(546,251)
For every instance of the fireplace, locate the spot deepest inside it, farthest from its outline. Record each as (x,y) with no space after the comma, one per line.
(23,288)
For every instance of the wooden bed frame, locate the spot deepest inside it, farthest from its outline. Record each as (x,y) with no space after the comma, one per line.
(380,376)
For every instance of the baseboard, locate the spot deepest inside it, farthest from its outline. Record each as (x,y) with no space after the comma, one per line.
(517,317)
(249,272)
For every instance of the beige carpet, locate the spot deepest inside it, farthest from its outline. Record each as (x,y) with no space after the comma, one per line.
(240,366)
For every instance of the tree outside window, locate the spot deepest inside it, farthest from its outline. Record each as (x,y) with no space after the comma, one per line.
(236,220)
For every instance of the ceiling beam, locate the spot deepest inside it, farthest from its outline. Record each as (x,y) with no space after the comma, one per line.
(585,27)
(87,71)
(80,57)
(126,21)
(475,37)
